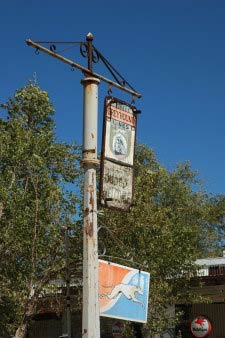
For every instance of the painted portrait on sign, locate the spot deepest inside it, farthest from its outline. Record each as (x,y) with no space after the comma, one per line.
(120,133)
(119,145)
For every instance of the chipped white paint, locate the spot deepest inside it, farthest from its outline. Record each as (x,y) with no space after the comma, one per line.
(90,316)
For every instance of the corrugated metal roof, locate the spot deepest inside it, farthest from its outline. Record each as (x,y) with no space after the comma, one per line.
(211,261)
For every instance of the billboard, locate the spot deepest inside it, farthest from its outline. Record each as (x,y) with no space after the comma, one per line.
(119,134)
(123,292)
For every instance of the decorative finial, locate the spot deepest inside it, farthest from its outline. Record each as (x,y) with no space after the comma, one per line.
(89,37)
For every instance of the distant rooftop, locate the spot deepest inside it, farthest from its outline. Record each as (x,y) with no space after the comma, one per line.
(211,261)
(211,266)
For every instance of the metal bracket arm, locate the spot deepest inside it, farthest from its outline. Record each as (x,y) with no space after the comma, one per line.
(83,69)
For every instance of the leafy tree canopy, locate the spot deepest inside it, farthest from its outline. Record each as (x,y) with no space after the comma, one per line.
(35,170)
(172,223)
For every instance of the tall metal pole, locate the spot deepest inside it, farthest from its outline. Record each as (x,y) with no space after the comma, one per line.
(68,302)
(90,321)
(90,316)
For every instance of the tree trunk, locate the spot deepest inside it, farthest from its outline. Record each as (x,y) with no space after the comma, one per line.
(21,332)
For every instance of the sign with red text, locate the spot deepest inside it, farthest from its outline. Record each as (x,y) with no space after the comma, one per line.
(201,327)
(118,142)
(118,330)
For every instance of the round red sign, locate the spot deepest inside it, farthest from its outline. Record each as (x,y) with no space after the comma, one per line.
(201,327)
(117,330)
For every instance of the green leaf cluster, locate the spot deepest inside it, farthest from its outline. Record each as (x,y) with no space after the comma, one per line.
(172,223)
(35,202)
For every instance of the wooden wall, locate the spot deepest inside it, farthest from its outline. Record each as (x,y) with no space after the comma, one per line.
(48,327)
(45,328)
(54,327)
(215,312)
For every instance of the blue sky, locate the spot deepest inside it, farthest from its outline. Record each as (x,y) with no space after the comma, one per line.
(171,51)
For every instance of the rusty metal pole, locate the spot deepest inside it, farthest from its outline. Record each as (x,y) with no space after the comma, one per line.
(90,322)
(90,315)
(68,300)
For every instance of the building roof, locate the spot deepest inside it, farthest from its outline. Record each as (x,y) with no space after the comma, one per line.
(211,261)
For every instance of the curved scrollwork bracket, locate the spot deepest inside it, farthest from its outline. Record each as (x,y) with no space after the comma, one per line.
(103,253)
(84,49)
(110,90)
(95,56)
(53,48)
(84,52)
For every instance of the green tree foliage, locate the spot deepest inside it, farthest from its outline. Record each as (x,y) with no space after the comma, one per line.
(172,223)
(35,205)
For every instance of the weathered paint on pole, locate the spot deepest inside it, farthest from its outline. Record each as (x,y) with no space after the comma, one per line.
(90,323)
(90,317)
(68,300)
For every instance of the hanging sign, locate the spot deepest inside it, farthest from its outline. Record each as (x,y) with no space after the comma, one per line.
(201,327)
(117,185)
(119,132)
(123,292)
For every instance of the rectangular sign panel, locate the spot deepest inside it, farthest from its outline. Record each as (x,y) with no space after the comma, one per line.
(120,127)
(119,133)
(117,185)
(123,292)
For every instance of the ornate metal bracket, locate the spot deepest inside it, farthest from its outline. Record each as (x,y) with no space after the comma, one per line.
(89,51)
